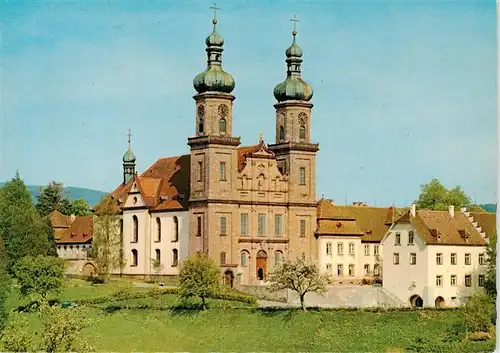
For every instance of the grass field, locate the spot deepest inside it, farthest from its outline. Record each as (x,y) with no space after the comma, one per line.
(234,326)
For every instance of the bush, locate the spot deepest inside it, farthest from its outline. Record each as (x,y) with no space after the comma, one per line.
(16,336)
(479,336)
(478,312)
(424,344)
(39,275)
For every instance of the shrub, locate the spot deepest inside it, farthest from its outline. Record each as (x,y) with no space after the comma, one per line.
(424,344)
(479,336)
(16,337)
(478,312)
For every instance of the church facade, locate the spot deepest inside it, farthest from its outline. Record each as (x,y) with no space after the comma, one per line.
(247,207)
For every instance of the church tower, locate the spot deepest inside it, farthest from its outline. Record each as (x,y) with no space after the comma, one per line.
(214,149)
(295,153)
(128,162)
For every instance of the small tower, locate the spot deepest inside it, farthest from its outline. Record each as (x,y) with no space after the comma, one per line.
(295,153)
(128,162)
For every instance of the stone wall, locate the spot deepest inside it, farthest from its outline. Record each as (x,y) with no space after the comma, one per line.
(263,292)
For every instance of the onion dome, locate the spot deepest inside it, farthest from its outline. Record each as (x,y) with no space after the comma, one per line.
(294,87)
(214,78)
(129,156)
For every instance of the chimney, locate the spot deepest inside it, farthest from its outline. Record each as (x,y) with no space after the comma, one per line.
(451,210)
(413,209)
(72,218)
(463,209)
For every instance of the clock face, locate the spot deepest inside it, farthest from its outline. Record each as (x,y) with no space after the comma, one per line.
(223,110)
(201,111)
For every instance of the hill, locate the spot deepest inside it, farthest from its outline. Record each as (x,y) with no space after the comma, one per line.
(489,207)
(91,196)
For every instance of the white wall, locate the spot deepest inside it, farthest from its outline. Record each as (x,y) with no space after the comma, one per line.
(73,251)
(405,280)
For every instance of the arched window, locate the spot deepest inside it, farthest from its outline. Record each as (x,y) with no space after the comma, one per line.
(278,258)
(302,132)
(175,258)
(135,259)
(222,126)
(223,258)
(158,256)
(158,229)
(200,126)
(135,229)
(244,258)
(176,229)
(282,133)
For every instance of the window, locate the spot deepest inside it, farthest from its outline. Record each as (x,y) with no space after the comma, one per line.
(222,126)
(439,281)
(244,258)
(175,257)
(158,230)
(481,259)
(467,259)
(278,258)
(367,249)
(222,171)
(244,223)
(158,256)
(262,224)
(278,224)
(200,171)
(176,229)
(375,250)
(199,227)
(376,270)
(135,229)
(480,280)
(439,259)
(223,258)
(453,280)
(328,248)
(413,258)
(468,280)
(135,259)
(395,258)
(282,133)
(121,227)
(200,126)
(351,270)
(302,176)
(411,237)
(340,270)
(367,269)
(397,239)
(223,226)
(302,132)
(340,249)
(351,248)
(453,258)
(329,268)
(302,228)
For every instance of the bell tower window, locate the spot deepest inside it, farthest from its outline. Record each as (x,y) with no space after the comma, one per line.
(222,126)
(200,126)
(282,133)
(302,132)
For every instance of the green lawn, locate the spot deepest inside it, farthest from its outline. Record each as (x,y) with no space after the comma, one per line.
(234,326)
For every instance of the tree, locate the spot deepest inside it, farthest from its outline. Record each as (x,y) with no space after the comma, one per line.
(199,277)
(62,329)
(22,229)
(4,284)
(157,267)
(39,275)
(479,311)
(491,266)
(299,276)
(435,196)
(80,207)
(107,247)
(16,336)
(53,197)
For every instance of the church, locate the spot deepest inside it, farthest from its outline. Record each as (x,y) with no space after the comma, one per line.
(247,207)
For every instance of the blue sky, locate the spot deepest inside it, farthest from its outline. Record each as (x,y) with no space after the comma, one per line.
(403,91)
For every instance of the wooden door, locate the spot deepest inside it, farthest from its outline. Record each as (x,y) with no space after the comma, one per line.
(261,267)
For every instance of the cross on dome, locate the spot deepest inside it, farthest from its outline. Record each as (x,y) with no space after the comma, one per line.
(294,20)
(215,8)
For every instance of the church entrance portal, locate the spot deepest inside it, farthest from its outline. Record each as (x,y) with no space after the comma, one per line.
(416,301)
(88,270)
(229,278)
(261,265)
(439,302)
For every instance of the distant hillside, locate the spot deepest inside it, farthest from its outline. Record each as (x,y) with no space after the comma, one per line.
(489,207)
(91,196)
